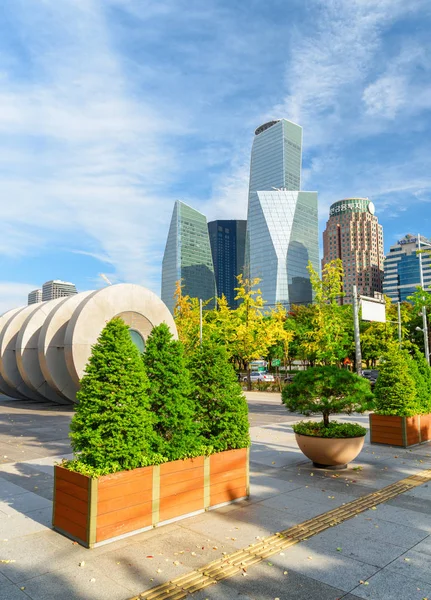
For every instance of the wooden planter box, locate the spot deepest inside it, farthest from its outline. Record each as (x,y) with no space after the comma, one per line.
(95,511)
(400,431)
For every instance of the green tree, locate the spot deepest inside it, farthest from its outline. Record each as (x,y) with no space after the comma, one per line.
(220,404)
(421,372)
(111,429)
(170,393)
(327,390)
(395,389)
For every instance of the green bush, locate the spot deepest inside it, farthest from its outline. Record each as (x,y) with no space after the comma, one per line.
(220,404)
(333,430)
(424,390)
(170,393)
(111,429)
(395,389)
(327,390)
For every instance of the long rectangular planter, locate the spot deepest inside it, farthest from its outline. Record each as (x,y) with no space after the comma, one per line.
(400,431)
(95,511)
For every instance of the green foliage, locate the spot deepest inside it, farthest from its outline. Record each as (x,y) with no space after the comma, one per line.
(327,390)
(421,373)
(333,430)
(220,404)
(395,389)
(111,429)
(170,393)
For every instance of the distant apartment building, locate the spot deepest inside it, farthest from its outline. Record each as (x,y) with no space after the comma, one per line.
(354,235)
(227,239)
(187,257)
(34,297)
(57,289)
(402,268)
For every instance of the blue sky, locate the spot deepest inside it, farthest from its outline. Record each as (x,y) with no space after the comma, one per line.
(112,109)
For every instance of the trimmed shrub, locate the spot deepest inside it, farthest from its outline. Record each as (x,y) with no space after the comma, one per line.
(395,388)
(170,393)
(327,390)
(425,385)
(111,429)
(220,404)
(333,430)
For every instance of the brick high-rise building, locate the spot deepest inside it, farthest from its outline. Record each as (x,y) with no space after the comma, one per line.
(354,235)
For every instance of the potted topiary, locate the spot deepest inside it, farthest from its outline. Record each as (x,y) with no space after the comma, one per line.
(144,451)
(403,400)
(328,390)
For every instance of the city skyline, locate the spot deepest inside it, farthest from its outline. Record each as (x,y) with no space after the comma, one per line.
(107,118)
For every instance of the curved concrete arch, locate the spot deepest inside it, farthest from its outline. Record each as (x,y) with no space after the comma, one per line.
(4,387)
(27,351)
(8,365)
(132,302)
(51,346)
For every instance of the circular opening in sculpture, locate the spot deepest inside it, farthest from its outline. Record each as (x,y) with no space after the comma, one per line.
(137,339)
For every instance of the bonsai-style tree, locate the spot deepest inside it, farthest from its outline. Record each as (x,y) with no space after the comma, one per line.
(111,429)
(177,432)
(221,406)
(327,390)
(395,389)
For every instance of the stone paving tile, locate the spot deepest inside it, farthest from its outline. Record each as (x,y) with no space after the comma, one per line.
(19,525)
(325,498)
(373,552)
(265,487)
(24,504)
(265,582)
(74,583)
(414,565)
(302,509)
(412,503)
(9,490)
(402,516)
(390,585)
(11,592)
(338,570)
(369,527)
(424,546)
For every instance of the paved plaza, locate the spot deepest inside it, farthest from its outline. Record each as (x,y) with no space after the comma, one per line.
(381,554)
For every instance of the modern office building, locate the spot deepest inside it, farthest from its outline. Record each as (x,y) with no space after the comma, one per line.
(227,239)
(402,269)
(34,297)
(187,257)
(354,235)
(282,222)
(57,289)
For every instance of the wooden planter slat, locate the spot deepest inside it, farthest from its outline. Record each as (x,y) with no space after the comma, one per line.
(400,431)
(99,510)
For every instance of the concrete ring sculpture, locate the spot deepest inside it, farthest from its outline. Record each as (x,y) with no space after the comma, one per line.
(4,387)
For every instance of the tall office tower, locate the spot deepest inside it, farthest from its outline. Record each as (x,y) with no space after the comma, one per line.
(282,222)
(188,257)
(353,234)
(402,269)
(57,289)
(227,239)
(34,297)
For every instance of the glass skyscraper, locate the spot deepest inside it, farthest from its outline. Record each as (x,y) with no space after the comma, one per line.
(402,274)
(227,239)
(188,257)
(282,222)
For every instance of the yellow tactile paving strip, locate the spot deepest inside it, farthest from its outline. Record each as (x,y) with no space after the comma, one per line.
(230,565)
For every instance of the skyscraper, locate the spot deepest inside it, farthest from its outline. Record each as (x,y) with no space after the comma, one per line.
(402,274)
(188,257)
(227,239)
(57,289)
(353,234)
(282,222)
(35,296)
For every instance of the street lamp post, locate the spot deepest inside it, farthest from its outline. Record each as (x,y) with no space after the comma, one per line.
(424,310)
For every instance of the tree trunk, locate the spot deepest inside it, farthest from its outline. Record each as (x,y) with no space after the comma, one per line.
(248,379)
(326,419)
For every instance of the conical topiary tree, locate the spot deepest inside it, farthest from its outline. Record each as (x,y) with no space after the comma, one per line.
(395,389)
(177,432)
(111,429)
(221,406)
(425,371)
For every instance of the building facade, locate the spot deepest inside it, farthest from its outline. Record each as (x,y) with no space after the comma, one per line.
(354,235)
(402,268)
(35,297)
(227,239)
(57,289)
(187,257)
(282,222)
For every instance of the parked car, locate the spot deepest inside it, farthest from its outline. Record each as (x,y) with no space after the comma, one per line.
(289,378)
(371,375)
(260,376)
